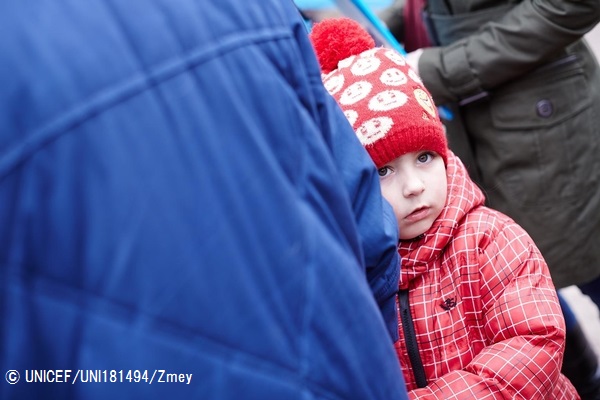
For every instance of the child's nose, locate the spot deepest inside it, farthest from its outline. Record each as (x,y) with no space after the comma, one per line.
(413,185)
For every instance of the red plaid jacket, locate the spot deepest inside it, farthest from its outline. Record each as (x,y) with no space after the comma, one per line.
(482,307)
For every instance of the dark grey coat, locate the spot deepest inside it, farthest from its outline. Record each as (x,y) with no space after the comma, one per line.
(527,89)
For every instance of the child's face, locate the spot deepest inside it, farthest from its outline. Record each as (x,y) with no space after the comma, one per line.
(415,185)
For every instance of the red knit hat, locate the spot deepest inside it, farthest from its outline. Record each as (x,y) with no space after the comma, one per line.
(382,97)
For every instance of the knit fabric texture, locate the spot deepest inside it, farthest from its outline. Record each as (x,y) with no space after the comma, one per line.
(384,99)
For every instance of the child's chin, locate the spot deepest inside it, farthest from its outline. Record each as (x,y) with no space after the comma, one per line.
(416,231)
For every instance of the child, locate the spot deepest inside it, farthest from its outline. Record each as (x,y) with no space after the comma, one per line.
(479,315)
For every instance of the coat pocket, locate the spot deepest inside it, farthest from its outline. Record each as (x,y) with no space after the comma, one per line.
(544,124)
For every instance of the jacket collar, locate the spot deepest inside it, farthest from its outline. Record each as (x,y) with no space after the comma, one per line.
(463,195)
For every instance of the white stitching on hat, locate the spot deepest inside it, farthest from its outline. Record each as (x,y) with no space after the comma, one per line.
(346,62)
(395,57)
(365,66)
(393,77)
(355,92)
(387,100)
(334,83)
(374,129)
(351,116)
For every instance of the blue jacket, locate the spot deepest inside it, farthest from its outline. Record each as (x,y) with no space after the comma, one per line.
(179,195)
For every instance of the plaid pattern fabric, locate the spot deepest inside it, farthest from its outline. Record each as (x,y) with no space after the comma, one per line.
(485,311)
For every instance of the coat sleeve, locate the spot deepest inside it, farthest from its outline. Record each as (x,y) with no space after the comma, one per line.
(522,324)
(525,38)
(374,216)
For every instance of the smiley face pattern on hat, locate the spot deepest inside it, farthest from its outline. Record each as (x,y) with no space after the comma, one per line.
(387,105)
(364,65)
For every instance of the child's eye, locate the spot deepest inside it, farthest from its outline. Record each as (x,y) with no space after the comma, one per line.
(383,171)
(424,157)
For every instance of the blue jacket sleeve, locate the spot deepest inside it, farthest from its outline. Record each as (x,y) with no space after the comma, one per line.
(374,217)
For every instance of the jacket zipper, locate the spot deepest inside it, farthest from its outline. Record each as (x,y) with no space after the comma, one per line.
(410,339)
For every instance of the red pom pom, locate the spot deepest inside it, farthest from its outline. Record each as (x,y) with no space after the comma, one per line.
(335,39)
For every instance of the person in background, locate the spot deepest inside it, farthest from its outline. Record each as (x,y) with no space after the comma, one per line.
(185,209)
(479,314)
(524,88)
